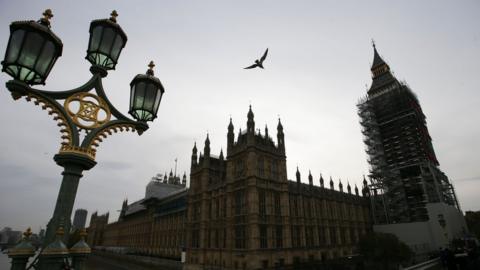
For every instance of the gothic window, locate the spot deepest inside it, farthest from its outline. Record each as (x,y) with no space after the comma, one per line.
(260,166)
(195,238)
(278,211)
(210,209)
(240,236)
(239,168)
(296,234)
(262,209)
(309,236)
(240,204)
(279,236)
(216,239)
(224,238)
(321,237)
(196,212)
(352,236)
(263,236)
(307,208)
(333,236)
(208,238)
(295,206)
(224,207)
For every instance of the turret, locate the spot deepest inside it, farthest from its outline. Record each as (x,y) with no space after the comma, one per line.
(194,155)
(340,186)
(266,132)
(184,179)
(310,178)
(170,177)
(280,136)
(298,176)
(349,189)
(206,149)
(365,189)
(250,121)
(356,190)
(221,157)
(331,183)
(250,127)
(230,137)
(321,180)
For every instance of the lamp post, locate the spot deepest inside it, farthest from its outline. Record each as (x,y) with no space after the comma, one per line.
(30,55)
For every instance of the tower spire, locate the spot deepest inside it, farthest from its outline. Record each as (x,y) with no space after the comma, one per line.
(250,121)
(221,154)
(194,154)
(280,136)
(379,66)
(230,137)
(298,176)
(206,150)
(310,178)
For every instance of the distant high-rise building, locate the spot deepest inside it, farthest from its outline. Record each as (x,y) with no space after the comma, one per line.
(406,183)
(79,219)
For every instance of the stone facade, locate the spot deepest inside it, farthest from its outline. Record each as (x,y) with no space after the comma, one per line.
(153,226)
(240,211)
(243,212)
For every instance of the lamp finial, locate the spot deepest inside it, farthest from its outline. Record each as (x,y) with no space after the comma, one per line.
(151,65)
(113,16)
(47,15)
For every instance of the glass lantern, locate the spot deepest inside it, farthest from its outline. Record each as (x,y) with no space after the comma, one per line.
(145,96)
(107,40)
(32,50)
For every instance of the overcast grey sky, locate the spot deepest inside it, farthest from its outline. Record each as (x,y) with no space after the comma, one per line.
(316,71)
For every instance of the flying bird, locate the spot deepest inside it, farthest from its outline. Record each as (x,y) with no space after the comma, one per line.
(259,63)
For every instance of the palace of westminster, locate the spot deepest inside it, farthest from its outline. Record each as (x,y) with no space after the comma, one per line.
(241,211)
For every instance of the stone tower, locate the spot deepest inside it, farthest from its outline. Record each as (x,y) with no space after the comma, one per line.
(238,205)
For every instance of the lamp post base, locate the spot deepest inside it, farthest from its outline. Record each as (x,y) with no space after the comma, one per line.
(74,164)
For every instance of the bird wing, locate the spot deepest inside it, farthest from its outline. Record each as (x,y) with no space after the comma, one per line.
(252,66)
(264,55)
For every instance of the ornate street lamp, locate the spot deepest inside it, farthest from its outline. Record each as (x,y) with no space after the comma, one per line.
(32,50)
(31,53)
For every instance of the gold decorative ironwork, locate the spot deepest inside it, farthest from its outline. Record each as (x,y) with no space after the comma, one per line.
(57,116)
(108,131)
(89,152)
(87,115)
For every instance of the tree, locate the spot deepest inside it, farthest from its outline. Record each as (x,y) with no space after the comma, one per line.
(383,248)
